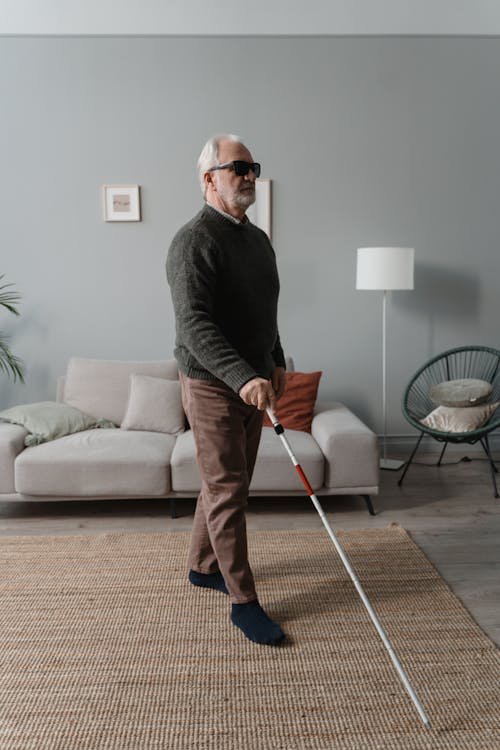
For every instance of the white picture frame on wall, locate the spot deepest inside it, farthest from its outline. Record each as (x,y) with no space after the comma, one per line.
(121,202)
(260,212)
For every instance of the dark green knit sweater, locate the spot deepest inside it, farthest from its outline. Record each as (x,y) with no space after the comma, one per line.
(225,287)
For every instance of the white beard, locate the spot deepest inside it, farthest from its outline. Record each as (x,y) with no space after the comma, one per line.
(246,198)
(241,198)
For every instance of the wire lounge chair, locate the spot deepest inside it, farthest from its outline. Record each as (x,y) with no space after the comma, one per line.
(467,362)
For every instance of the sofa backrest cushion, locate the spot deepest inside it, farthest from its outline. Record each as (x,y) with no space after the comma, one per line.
(154,405)
(101,387)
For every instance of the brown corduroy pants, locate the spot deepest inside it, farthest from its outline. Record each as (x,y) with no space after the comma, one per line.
(227,434)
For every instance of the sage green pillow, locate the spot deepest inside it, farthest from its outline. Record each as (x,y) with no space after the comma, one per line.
(48,420)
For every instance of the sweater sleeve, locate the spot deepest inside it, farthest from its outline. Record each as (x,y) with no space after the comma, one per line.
(191,271)
(278,354)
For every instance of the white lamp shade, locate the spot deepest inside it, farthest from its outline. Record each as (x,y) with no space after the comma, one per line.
(385,268)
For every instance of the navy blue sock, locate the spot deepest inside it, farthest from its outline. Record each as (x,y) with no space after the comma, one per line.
(255,624)
(208,580)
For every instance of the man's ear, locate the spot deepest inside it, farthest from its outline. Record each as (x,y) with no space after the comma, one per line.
(208,180)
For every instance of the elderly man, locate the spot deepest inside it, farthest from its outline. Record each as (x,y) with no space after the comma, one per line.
(224,283)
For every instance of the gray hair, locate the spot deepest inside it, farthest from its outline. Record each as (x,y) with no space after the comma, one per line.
(209,156)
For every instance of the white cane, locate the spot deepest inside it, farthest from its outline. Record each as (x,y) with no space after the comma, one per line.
(278,428)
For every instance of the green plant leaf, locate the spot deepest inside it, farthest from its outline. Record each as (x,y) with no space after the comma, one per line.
(8,297)
(9,363)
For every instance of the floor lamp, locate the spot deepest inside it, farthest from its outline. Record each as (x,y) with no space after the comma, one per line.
(385,269)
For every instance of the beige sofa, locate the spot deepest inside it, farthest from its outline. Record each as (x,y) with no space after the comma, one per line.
(339,456)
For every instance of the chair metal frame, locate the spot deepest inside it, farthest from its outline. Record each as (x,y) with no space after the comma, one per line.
(482,362)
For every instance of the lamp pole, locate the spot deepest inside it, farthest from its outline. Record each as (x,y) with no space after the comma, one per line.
(384,376)
(386,463)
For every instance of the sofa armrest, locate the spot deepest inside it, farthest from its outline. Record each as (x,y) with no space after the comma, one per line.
(11,445)
(350,448)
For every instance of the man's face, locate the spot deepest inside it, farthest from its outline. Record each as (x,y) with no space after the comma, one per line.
(236,193)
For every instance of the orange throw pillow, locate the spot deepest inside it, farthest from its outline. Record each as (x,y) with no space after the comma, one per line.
(296,406)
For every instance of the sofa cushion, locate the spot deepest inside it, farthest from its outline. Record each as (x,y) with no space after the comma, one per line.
(154,404)
(100,387)
(273,470)
(109,463)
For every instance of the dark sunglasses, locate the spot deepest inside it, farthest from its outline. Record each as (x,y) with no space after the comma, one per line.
(241,168)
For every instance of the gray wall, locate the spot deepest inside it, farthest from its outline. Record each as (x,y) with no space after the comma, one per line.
(225,17)
(369,141)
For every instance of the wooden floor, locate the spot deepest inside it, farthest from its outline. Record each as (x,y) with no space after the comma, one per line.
(449,511)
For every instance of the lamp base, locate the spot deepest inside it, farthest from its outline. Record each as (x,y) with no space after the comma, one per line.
(391,464)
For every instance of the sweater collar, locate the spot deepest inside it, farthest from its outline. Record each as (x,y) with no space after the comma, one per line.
(223,215)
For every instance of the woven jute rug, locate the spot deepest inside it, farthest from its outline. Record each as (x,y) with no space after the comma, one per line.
(104,645)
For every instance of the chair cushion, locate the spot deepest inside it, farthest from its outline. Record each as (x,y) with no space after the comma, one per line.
(273,470)
(154,404)
(461,392)
(101,387)
(106,463)
(459,419)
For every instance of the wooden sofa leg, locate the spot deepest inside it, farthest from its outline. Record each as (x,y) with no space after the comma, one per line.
(369,504)
(173,509)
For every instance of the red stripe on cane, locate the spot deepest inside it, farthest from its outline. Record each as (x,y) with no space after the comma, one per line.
(306,484)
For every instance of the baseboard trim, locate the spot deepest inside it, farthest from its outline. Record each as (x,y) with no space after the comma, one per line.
(404,444)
